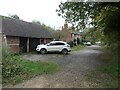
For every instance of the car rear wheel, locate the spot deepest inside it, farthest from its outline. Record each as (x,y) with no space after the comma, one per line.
(43,51)
(64,51)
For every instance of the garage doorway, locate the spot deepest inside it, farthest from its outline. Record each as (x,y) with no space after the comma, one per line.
(33,42)
(23,44)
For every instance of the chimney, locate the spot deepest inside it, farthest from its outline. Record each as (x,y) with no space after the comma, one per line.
(65,25)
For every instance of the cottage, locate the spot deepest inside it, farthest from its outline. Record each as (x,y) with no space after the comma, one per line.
(23,36)
(76,37)
(66,31)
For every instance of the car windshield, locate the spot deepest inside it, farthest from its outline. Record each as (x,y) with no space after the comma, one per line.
(48,44)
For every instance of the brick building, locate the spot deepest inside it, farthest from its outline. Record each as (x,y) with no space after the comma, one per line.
(75,36)
(67,33)
(23,36)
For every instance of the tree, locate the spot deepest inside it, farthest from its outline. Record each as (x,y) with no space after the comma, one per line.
(15,16)
(50,29)
(36,22)
(59,35)
(108,22)
(104,16)
(92,34)
(77,13)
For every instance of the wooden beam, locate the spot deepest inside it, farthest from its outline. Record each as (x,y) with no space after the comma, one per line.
(27,44)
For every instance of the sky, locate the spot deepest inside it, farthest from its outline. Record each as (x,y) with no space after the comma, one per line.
(29,10)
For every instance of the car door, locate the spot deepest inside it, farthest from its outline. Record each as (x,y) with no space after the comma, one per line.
(51,47)
(60,46)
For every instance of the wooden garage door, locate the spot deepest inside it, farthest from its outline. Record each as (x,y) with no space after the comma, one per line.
(33,42)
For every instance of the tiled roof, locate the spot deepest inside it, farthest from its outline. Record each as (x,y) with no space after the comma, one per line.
(15,27)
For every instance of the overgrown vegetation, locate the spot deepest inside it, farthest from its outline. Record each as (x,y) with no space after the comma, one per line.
(15,69)
(111,67)
(103,16)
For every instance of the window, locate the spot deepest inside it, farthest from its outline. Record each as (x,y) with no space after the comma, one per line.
(52,44)
(60,43)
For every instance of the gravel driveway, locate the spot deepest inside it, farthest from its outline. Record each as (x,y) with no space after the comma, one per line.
(77,70)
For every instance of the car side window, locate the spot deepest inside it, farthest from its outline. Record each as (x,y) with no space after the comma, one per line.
(56,44)
(52,44)
(60,44)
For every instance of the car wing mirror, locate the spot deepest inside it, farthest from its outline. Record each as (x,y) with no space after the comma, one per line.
(48,44)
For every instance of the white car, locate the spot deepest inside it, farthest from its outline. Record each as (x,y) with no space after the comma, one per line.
(87,43)
(54,46)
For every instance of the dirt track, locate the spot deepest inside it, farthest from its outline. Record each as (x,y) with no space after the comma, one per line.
(77,70)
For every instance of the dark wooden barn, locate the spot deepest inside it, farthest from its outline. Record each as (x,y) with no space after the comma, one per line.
(23,36)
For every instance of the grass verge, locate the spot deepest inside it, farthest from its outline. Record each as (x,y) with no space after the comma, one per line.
(107,75)
(78,47)
(112,68)
(16,70)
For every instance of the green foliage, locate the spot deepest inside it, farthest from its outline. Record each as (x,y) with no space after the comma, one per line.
(50,29)
(108,22)
(93,35)
(15,70)
(4,49)
(10,68)
(36,22)
(15,16)
(58,35)
(112,68)
(76,13)
(43,25)
(71,43)
(103,16)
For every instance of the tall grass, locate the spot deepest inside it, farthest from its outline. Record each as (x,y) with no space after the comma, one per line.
(16,70)
(112,68)
(3,55)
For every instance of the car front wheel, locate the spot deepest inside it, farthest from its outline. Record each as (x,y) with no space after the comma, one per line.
(64,51)
(43,51)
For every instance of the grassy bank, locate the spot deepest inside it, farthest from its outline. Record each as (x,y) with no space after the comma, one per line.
(112,67)
(78,47)
(106,75)
(16,70)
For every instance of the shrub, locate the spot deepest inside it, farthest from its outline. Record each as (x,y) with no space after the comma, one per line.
(9,67)
(71,43)
(15,69)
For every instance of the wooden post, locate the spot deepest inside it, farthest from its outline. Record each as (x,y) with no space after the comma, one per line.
(40,40)
(27,44)
(45,41)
